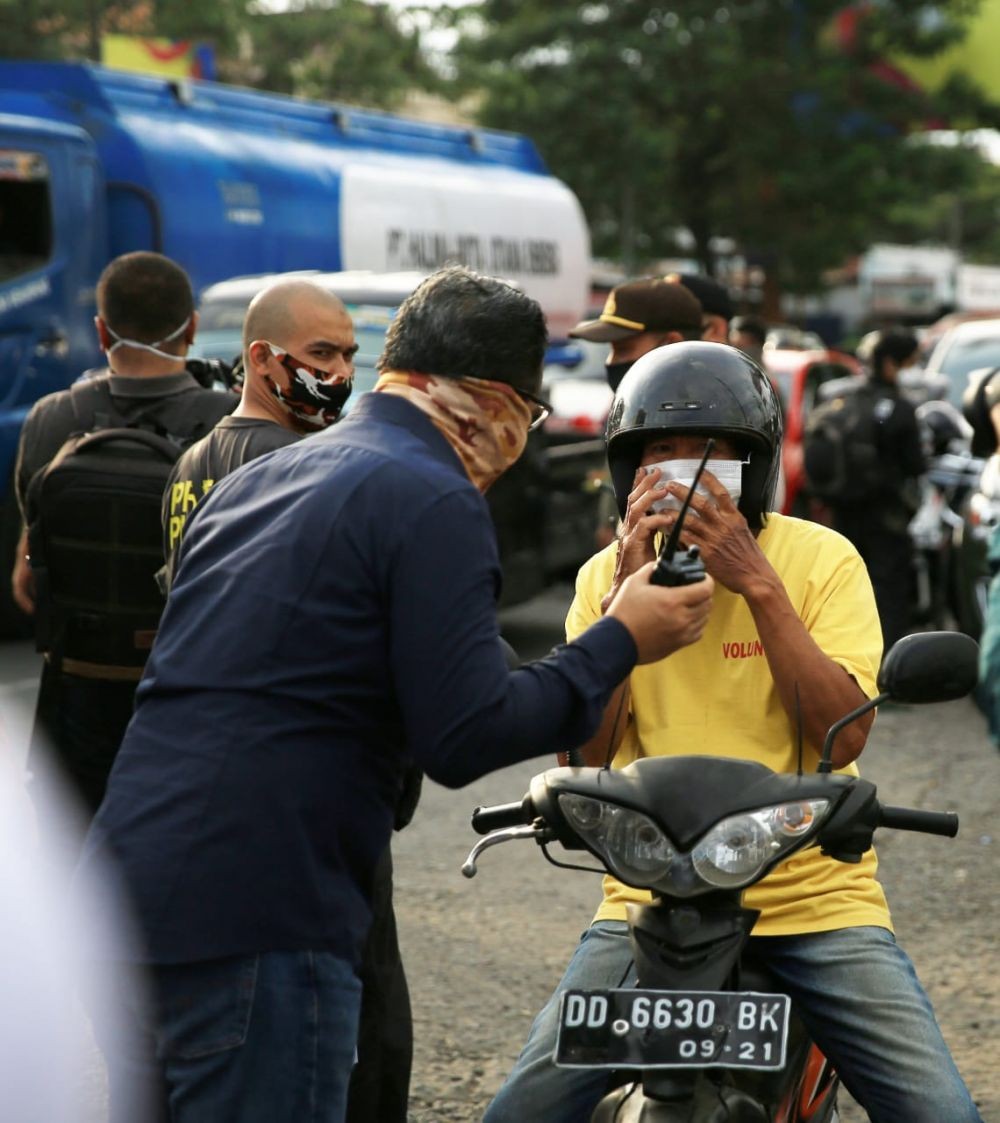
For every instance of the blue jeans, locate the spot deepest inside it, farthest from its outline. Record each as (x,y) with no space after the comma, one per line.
(266,1038)
(854,988)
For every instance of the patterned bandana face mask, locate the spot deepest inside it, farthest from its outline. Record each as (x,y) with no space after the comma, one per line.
(486,423)
(313,397)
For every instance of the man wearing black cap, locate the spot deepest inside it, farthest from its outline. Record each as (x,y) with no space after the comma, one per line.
(716,306)
(639,316)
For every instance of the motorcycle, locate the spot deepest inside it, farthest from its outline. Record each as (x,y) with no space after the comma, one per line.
(936,528)
(704,1037)
(981,516)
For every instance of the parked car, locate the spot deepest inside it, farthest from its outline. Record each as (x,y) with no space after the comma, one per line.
(963,349)
(798,376)
(788,337)
(931,335)
(547,508)
(577,388)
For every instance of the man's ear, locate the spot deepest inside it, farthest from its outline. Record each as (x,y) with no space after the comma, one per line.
(103,336)
(257,354)
(192,328)
(716,329)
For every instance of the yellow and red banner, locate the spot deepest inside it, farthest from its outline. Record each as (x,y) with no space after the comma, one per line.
(974,57)
(170,58)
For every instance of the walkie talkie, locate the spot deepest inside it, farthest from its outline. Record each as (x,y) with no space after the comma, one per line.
(687,568)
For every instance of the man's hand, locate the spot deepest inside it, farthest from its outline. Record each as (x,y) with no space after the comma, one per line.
(728,547)
(635,540)
(661,620)
(22,580)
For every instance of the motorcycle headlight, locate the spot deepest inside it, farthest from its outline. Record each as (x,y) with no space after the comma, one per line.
(631,844)
(732,851)
(732,854)
(736,849)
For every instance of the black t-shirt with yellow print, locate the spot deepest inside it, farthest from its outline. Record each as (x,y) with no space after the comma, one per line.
(232,443)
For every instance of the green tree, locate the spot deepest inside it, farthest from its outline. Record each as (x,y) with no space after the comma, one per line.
(752,119)
(349,50)
(966,217)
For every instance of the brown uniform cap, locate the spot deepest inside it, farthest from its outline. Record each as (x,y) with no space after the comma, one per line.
(652,304)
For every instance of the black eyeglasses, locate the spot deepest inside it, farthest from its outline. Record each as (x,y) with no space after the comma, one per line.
(540,408)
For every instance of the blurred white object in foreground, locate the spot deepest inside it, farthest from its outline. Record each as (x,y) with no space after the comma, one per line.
(49,936)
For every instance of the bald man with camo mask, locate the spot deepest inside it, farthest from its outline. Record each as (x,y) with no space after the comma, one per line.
(298,361)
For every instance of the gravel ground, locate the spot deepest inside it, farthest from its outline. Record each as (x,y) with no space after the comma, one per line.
(483,955)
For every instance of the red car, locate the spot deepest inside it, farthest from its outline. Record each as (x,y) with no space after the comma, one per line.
(797,376)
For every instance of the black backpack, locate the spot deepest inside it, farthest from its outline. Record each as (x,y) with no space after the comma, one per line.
(95,536)
(842,447)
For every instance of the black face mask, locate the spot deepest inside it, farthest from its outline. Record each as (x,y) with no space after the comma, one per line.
(615,372)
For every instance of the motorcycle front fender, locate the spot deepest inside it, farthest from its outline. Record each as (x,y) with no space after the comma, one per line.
(711,1104)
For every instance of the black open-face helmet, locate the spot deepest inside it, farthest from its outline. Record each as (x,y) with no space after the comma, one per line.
(709,389)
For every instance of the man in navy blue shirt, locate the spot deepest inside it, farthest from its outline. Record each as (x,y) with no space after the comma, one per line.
(333,616)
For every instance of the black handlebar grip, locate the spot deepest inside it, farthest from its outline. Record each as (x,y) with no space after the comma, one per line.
(486,819)
(910,819)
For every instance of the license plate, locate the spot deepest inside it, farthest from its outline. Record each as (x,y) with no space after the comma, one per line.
(671,1029)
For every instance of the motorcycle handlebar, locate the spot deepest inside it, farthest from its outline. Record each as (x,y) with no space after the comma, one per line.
(910,819)
(500,816)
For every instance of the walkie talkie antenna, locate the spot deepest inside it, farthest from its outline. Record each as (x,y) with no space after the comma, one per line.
(798,725)
(673,539)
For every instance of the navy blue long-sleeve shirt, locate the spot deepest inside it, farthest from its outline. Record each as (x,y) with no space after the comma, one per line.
(334,611)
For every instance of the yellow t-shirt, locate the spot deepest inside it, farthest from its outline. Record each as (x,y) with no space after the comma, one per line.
(717,698)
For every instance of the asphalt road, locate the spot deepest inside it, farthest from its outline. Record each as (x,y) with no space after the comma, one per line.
(483,955)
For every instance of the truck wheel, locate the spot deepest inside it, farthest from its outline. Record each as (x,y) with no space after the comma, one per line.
(13,622)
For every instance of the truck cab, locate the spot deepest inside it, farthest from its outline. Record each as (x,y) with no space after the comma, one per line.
(52,247)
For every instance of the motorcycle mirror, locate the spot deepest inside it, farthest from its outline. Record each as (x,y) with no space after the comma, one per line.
(925,667)
(930,667)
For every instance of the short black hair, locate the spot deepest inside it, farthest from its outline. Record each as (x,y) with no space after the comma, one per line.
(751,325)
(460,324)
(896,344)
(144,296)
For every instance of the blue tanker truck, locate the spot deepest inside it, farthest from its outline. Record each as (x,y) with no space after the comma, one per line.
(228,182)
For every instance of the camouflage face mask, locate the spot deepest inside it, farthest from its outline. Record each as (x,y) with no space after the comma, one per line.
(313,396)
(485,422)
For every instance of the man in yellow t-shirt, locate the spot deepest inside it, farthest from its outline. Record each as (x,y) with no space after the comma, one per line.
(793,616)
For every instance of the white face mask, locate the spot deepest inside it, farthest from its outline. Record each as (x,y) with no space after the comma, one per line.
(152,348)
(729,473)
